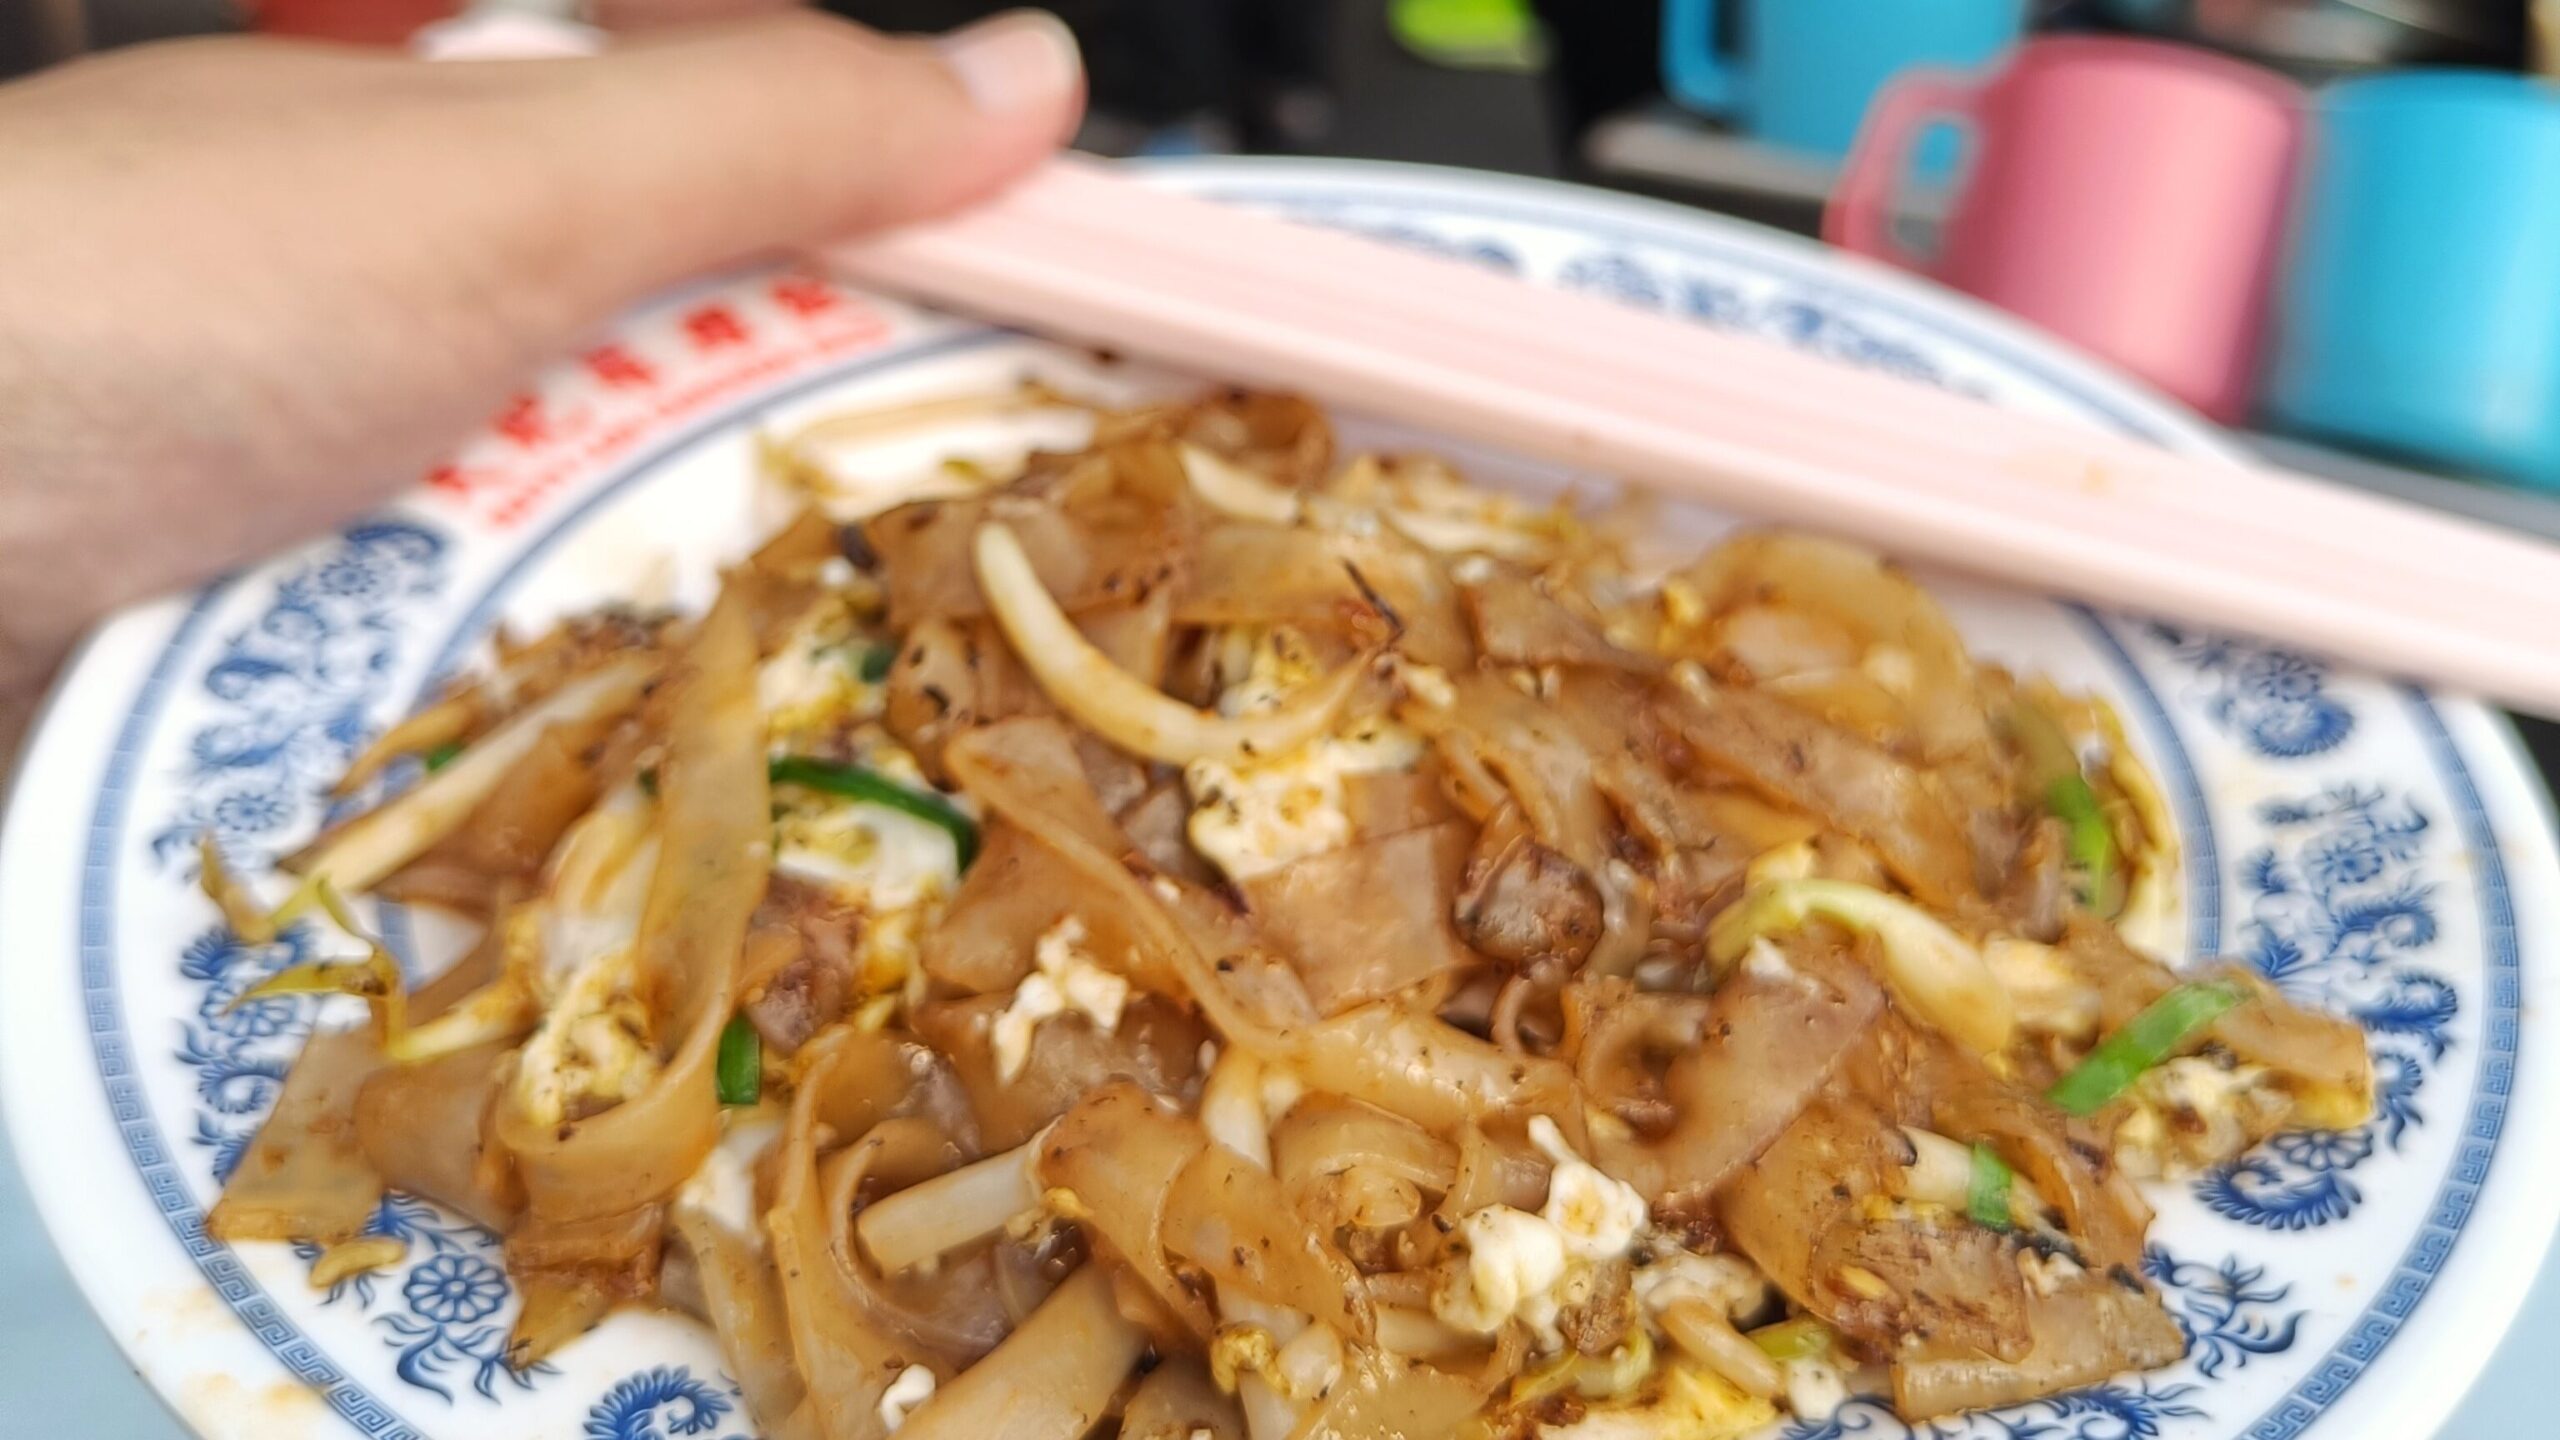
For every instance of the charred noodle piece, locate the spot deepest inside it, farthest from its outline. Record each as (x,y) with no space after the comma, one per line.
(1368,919)
(362,852)
(1431,1072)
(1795,759)
(422,1125)
(1942,980)
(1879,608)
(1026,771)
(1941,1276)
(1157,1046)
(844,1359)
(1229,1217)
(742,1302)
(714,853)
(1178,1401)
(1765,1046)
(1119,1156)
(2088,1329)
(950,1317)
(1118,706)
(2104,1217)
(1814,1178)
(1518,621)
(1050,1380)
(304,1177)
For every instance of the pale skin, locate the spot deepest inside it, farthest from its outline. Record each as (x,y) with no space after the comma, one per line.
(248,288)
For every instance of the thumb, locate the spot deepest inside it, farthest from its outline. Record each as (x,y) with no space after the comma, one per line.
(675,155)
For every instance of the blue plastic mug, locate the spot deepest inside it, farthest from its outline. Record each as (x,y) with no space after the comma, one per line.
(1802,72)
(2420,313)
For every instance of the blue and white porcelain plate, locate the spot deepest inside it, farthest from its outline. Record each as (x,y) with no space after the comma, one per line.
(2369,847)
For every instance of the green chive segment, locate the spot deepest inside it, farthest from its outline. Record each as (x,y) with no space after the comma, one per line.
(2090,841)
(1986,1199)
(738,1075)
(443,755)
(876,662)
(2145,1041)
(1799,1339)
(871,788)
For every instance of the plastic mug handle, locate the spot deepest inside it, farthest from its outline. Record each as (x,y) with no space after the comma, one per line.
(1860,216)
(1695,73)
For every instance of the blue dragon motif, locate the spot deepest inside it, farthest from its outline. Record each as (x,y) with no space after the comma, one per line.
(659,1403)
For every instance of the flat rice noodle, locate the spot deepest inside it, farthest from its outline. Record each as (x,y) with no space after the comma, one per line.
(1876,604)
(950,1317)
(1287,438)
(1383,1397)
(845,1360)
(1852,786)
(951,676)
(1178,1401)
(1052,1379)
(1815,1177)
(1250,574)
(572,1273)
(1137,636)
(1120,1154)
(1433,1073)
(1368,919)
(1158,824)
(1495,1171)
(1518,621)
(1084,560)
(1157,1046)
(1229,1216)
(1324,1136)
(2087,1330)
(1380,803)
(424,1129)
(2072,1171)
(713,859)
(515,830)
(1519,901)
(1017,890)
(305,1176)
(742,1301)
(2321,1057)
(1948,1279)
(1026,771)
(1766,1046)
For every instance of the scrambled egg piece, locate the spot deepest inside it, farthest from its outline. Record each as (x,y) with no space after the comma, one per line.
(1254,816)
(594,1046)
(2191,1113)
(813,686)
(1679,1398)
(2048,994)
(723,1190)
(896,868)
(1066,979)
(1533,1267)
(912,1388)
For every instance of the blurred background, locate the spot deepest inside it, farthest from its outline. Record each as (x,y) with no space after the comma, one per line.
(2332,223)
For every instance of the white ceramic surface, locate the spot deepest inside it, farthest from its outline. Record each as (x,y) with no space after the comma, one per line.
(2370,847)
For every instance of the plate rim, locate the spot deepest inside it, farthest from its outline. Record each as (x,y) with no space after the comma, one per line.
(110,663)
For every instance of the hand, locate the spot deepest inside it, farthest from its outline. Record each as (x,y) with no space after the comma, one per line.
(249,287)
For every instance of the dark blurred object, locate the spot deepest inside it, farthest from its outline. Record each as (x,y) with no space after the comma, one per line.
(2321,36)
(36,33)
(1250,73)
(1602,56)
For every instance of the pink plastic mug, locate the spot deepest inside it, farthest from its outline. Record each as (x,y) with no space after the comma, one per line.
(2127,195)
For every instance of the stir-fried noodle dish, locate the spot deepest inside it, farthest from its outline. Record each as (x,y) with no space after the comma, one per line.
(1208,936)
